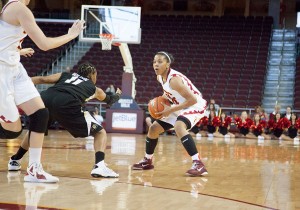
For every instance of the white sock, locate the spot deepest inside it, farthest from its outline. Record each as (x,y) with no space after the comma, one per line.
(35,155)
(195,157)
(149,156)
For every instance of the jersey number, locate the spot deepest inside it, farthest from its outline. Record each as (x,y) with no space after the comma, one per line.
(75,80)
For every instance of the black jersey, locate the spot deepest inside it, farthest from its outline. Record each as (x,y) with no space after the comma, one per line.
(72,83)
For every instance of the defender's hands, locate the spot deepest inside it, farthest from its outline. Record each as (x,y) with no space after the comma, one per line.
(110,100)
(27,52)
(76,28)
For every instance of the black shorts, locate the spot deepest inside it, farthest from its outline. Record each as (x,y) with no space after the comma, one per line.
(223,130)
(277,132)
(244,131)
(211,129)
(257,133)
(67,111)
(293,132)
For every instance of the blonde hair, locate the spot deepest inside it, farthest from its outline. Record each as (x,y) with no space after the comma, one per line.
(277,106)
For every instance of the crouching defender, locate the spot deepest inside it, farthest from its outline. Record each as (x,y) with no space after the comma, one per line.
(64,101)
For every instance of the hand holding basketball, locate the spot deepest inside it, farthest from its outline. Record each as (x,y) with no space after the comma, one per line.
(167,109)
(159,107)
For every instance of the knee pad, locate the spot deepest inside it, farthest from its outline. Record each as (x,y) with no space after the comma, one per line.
(39,121)
(6,134)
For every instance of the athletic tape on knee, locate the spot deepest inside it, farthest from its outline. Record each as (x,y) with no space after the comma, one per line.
(5,134)
(39,121)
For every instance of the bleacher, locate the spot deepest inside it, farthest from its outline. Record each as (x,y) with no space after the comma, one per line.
(41,59)
(225,57)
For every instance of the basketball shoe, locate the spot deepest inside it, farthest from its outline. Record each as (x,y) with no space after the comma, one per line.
(35,173)
(14,165)
(101,170)
(197,169)
(144,164)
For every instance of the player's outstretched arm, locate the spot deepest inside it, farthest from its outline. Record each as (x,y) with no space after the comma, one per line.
(51,79)
(26,19)
(109,99)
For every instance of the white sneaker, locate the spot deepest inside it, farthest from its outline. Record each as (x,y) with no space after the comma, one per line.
(99,186)
(261,137)
(210,135)
(35,173)
(227,136)
(14,165)
(198,135)
(101,170)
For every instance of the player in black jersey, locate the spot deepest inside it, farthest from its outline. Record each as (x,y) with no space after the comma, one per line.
(64,101)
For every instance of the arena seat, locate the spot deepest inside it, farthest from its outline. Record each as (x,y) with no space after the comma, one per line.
(41,59)
(221,56)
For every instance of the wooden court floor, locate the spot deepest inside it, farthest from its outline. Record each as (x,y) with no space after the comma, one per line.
(243,174)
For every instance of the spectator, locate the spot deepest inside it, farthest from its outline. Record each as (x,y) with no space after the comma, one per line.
(292,131)
(110,90)
(276,110)
(261,112)
(258,128)
(210,108)
(244,124)
(288,113)
(217,107)
(211,128)
(276,131)
(223,128)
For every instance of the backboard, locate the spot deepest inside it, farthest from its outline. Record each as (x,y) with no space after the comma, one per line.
(123,22)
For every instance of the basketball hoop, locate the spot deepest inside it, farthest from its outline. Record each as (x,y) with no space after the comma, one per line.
(106,41)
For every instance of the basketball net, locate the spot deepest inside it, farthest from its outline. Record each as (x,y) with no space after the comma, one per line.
(106,41)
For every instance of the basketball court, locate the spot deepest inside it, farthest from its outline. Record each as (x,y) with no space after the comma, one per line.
(243,174)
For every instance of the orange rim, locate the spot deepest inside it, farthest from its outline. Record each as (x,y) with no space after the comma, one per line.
(107,36)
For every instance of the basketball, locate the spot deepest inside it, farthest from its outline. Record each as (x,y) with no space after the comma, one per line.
(155,105)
